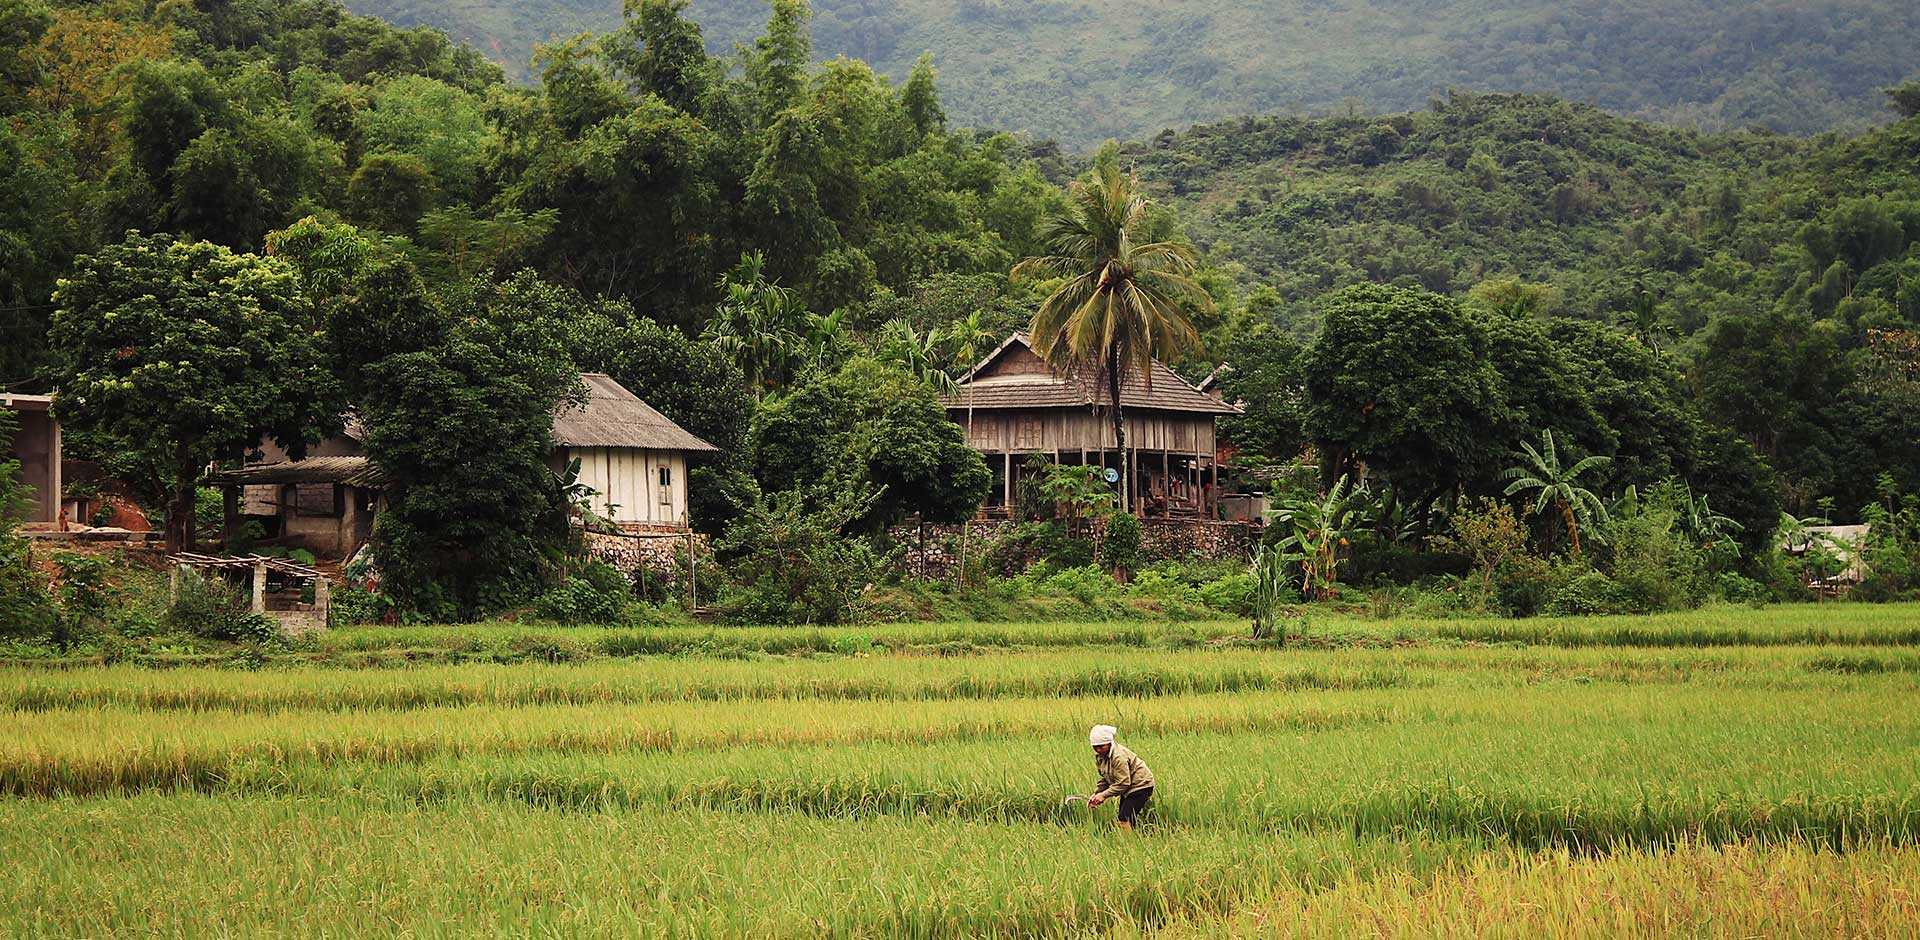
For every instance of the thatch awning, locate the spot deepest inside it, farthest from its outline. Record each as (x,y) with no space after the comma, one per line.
(242,563)
(351,471)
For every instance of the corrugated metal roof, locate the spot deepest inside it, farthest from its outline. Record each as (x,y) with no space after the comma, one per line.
(1169,391)
(615,417)
(353,471)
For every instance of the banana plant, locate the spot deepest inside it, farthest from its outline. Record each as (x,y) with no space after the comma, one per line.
(1541,475)
(1316,530)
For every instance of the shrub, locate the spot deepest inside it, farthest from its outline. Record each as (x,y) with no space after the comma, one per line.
(1523,585)
(1740,589)
(1592,593)
(1651,555)
(352,605)
(1085,583)
(1232,594)
(580,600)
(26,609)
(83,596)
(1120,549)
(788,559)
(210,609)
(1165,588)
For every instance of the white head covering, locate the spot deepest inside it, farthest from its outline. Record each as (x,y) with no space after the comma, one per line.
(1101,734)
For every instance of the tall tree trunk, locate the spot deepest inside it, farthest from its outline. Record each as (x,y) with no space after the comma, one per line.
(180,520)
(1120,428)
(1573,530)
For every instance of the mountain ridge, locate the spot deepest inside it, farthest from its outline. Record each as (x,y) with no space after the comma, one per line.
(1082,72)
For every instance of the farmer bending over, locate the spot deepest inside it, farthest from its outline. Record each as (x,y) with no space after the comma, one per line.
(1123,775)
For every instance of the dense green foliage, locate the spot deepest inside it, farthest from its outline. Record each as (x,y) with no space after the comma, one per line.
(793,260)
(1081,72)
(180,353)
(1685,284)
(25,608)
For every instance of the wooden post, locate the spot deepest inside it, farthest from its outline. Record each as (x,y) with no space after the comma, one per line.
(322,599)
(693,574)
(260,586)
(1007,469)
(1213,489)
(1166,478)
(173,582)
(230,515)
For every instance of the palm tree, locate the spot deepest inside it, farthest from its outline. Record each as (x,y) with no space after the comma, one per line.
(968,338)
(1642,317)
(1120,305)
(1541,474)
(916,352)
(760,324)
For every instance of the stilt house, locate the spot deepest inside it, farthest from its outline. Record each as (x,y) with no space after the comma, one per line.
(1014,405)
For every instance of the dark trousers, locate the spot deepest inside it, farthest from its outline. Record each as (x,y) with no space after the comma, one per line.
(1134,803)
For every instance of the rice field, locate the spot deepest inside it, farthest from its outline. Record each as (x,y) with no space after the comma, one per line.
(1724,773)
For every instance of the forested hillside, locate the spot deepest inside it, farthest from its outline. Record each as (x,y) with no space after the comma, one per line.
(1082,71)
(223,223)
(1777,272)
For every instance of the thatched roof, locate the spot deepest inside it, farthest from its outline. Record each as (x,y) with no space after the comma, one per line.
(615,417)
(352,471)
(1022,385)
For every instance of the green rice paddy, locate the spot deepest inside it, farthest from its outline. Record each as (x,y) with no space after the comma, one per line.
(1729,771)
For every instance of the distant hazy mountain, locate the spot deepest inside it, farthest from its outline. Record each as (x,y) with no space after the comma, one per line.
(1085,70)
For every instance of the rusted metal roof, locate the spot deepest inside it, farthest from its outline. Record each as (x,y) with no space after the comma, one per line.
(352,471)
(1169,392)
(615,417)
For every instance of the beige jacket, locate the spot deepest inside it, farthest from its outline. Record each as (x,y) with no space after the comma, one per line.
(1121,772)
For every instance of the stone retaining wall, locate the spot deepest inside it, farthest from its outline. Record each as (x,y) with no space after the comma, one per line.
(934,552)
(659,553)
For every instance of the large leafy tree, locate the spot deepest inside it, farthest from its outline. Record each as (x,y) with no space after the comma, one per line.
(869,427)
(660,52)
(1121,301)
(1263,374)
(183,353)
(920,463)
(462,429)
(1399,380)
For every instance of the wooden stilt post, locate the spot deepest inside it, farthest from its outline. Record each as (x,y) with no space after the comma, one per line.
(1166,475)
(1006,462)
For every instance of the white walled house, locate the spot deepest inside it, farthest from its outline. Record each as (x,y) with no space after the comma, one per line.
(632,456)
